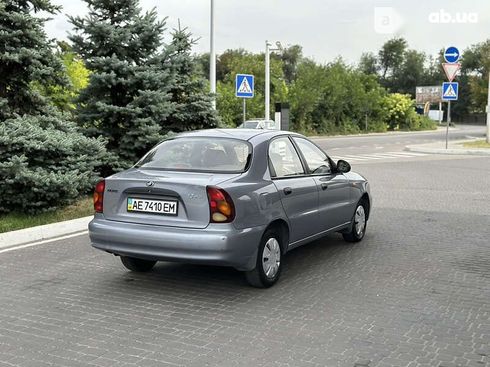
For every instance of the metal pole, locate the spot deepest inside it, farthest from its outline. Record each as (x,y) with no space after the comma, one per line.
(488,111)
(448,121)
(244,109)
(212,59)
(440,113)
(267,81)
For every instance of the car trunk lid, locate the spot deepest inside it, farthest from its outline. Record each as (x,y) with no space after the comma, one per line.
(188,189)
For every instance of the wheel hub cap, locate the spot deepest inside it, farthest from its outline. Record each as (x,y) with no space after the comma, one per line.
(271,258)
(360,220)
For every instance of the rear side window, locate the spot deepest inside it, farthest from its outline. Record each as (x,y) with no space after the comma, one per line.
(283,158)
(199,154)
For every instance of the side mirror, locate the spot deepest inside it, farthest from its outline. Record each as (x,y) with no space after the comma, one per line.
(343,166)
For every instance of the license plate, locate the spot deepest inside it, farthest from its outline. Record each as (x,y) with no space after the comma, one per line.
(165,207)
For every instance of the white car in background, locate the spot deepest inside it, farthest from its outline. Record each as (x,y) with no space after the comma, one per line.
(258,124)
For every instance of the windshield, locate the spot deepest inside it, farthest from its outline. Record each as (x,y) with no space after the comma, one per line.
(251,124)
(199,154)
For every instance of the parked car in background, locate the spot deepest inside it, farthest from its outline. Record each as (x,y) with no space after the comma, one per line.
(258,124)
(231,197)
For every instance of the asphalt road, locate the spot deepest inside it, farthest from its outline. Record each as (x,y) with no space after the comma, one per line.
(395,141)
(414,292)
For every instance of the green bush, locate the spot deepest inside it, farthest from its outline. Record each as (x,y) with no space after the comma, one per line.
(399,111)
(427,124)
(45,163)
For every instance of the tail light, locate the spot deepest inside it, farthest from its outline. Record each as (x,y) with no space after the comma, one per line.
(221,208)
(99,197)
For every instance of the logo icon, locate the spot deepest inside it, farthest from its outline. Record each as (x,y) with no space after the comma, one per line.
(386,20)
(150,183)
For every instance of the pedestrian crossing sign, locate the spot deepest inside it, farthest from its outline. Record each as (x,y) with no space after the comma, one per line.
(450,91)
(244,86)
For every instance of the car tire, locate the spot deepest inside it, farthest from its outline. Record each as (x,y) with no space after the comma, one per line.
(138,265)
(359,223)
(269,261)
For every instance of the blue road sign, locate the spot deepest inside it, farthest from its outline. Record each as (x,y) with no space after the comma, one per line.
(244,86)
(450,91)
(451,54)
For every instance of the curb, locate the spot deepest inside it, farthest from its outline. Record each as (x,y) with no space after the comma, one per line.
(44,232)
(388,133)
(449,151)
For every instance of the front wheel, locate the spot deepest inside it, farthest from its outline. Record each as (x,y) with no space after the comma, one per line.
(359,223)
(269,261)
(138,265)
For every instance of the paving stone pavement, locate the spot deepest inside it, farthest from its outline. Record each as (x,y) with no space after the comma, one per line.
(415,292)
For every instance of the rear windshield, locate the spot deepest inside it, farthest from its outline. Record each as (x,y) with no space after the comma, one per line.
(199,154)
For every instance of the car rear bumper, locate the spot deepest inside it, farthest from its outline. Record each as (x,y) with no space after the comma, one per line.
(218,244)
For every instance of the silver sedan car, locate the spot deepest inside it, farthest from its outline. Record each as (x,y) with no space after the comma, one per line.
(231,197)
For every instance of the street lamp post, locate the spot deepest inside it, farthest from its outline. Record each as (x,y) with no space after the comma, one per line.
(268,50)
(212,59)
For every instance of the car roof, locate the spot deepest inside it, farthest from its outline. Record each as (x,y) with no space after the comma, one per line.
(242,134)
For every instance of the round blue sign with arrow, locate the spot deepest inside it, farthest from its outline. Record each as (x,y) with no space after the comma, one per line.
(451,54)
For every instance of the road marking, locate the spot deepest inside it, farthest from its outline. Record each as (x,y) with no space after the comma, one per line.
(376,156)
(26,245)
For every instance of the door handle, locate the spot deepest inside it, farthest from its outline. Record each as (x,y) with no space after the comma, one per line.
(287,190)
(324,186)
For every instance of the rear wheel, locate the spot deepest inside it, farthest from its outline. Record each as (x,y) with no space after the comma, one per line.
(359,223)
(269,261)
(138,265)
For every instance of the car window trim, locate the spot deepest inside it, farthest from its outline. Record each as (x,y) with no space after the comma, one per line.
(287,136)
(333,166)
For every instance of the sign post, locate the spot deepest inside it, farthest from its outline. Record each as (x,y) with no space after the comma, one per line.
(450,89)
(440,112)
(244,88)
(244,109)
(450,92)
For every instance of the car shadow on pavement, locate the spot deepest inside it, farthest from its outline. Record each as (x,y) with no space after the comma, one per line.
(300,265)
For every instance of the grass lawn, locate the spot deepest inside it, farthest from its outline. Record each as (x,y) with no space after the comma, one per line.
(82,208)
(477,144)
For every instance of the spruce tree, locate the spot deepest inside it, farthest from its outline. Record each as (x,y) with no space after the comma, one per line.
(189,93)
(45,162)
(127,99)
(25,57)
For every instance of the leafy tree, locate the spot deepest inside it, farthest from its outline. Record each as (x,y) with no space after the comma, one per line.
(305,94)
(476,68)
(191,100)
(240,62)
(225,62)
(410,73)
(64,96)
(45,161)
(128,97)
(335,99)
(368,64)
(290,56)
(390,58)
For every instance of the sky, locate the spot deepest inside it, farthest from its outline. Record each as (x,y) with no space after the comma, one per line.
(325,29)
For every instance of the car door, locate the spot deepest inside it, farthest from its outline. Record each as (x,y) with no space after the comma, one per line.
(333,187)
(298,191)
